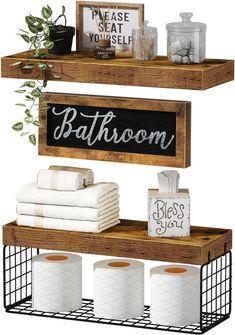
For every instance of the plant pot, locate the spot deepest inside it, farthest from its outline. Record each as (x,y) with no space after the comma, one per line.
(62,36)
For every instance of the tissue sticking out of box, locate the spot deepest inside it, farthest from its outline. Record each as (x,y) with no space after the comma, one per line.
(168,207)
(168,181)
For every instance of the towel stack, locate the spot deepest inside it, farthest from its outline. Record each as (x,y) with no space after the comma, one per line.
(66,198)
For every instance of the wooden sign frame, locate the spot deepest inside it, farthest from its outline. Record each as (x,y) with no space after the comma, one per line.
(183,129)
(80,5)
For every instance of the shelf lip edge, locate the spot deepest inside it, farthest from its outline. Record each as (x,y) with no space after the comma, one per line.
(97,236)
(110,246)
(92,61)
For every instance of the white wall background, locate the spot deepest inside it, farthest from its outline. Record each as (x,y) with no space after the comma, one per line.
(210,178)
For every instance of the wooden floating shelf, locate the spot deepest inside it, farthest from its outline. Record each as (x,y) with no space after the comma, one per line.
(129,239)
(124,71)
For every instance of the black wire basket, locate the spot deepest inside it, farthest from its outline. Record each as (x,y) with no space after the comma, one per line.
(216,279)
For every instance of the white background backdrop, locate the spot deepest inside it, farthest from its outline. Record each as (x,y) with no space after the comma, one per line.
(210,178)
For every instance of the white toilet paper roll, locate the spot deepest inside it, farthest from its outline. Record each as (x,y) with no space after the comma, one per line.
(118,289)
(57,282)
(175,295)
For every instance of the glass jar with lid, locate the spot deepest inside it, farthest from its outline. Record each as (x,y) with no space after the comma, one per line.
(186,40)
(144,42)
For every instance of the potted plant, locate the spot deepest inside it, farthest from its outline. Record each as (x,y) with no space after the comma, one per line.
(44,32)
(44,36)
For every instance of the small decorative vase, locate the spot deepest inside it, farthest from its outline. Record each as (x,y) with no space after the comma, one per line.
(104,50)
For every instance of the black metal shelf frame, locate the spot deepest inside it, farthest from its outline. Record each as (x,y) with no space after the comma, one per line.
(216,299)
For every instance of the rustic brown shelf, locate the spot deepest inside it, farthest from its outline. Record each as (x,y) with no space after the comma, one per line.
(129,239)
(124,71)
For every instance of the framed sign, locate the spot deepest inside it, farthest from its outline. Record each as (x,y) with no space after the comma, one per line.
(112,20)
(140,131)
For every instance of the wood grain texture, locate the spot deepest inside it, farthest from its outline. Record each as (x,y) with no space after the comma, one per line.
(183,129)
(124,71)
(129,239)
(80,5)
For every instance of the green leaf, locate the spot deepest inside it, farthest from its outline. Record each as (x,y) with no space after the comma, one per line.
(29,19)
(15,64)
(20,105)
(39,27)
(44,84)
(42,66)
(49,10)
(29,98)
(28,119)
(20,91)
(33,29)
(29,83)
(39,20)
(37,45)
(18,126)
(63,10)
(46,12)
(39,54)
(24,133)
(36,92)
(37,124)
(46,30)
(28,66)
(27,112)
(36,54)
(32,39)
(25,38)
(50,66)
(32,139)
(48,44)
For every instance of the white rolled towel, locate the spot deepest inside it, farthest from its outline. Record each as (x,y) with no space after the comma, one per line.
(70,225)
(69,212)
(60,180)
(87,174)
(95,196)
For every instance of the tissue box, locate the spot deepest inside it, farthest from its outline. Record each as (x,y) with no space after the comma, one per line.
(168,213)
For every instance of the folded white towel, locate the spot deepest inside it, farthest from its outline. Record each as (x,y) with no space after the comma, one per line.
(95,196)
(60,224)
(87,174)
(60,180)
(69,212)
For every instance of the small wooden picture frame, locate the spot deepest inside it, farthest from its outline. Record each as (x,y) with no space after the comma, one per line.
(128,130)
(123,18)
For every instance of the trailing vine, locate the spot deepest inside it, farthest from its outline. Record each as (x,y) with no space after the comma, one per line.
(37,37)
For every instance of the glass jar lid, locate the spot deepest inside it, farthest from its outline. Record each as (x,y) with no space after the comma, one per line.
(186,24)
(145,28)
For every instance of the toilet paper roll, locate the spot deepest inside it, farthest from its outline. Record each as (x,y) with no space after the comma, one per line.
(175,295)
(118,289)
(57,282)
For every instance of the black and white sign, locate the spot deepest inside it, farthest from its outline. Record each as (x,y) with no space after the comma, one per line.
(116,129)
(112,129)
(116,23)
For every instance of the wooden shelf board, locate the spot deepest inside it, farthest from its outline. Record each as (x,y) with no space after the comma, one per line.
(129,239)
(124,71)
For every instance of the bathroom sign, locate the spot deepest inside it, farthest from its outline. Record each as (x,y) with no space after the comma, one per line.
(116,129)
(107,20)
